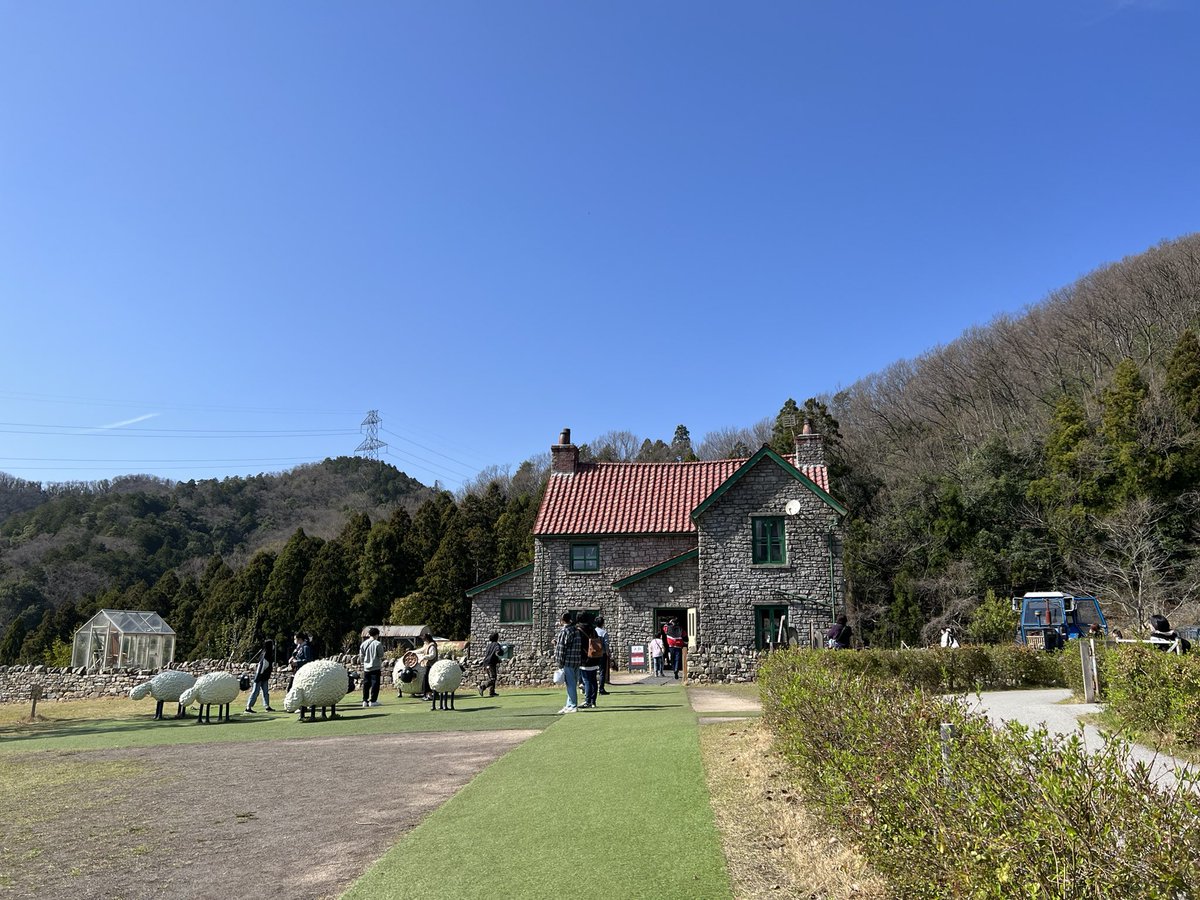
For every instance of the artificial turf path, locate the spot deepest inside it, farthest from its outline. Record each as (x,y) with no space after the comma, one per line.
(608,802)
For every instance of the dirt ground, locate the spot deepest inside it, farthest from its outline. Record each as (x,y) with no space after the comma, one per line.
(297,819)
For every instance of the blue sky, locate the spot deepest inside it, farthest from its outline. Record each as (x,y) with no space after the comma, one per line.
(229,230)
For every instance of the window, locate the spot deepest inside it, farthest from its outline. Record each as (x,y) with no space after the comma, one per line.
(769,545)
(585,557)
(767,620)
(516,612)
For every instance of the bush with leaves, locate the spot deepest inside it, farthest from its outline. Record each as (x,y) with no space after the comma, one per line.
(993,813)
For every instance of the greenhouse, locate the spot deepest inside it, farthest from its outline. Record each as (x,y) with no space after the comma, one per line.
(124,639)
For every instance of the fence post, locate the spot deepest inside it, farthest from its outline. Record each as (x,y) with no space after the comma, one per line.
(35,693)
(947,737)
(1087,654)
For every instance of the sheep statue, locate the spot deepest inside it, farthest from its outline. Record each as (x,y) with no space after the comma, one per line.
(215,687)
(406,673)
(165,687)
(320,683)
(444,678)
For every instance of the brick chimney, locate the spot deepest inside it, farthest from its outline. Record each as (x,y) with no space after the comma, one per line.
(564,456)
(810,448)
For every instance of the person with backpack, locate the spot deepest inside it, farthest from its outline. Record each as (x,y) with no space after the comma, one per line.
(838,637)
(490,661)
(262,677)
(593,659)
(568,653)
(674,634)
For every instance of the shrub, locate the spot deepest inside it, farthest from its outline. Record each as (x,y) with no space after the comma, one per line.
(1004,813)
(1154,693)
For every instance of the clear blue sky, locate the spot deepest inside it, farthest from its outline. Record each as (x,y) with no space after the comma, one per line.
(245,224)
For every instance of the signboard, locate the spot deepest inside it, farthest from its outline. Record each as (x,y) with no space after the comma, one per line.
(637,657)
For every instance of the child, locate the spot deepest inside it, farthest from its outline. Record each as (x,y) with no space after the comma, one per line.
(656,654)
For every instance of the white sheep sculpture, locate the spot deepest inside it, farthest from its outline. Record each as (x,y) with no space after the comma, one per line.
(165,687)
(444,678)
(320,683)
(218,688)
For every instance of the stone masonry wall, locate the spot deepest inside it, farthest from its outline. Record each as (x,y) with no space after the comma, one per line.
(731,586)
(529,647)
(69,683)
(558,589)
(643,597)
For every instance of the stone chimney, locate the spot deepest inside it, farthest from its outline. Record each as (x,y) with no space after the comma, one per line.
(564,456)
(810,448)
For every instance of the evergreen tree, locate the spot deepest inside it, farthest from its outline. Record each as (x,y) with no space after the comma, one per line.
(681,445)
(788,423)
(1183,376)
(280,600)
(325,599)
(443,586)
(10,645)
(1122,427)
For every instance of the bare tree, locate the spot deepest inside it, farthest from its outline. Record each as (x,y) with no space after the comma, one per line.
(1133,569)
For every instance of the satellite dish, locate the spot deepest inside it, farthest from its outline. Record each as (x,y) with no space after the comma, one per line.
(792,508)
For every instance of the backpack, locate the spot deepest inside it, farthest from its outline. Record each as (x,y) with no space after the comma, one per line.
(595,647)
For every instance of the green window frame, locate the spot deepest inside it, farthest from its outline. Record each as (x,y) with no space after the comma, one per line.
(766,624)
(516,611)
(768,541)
(585,557)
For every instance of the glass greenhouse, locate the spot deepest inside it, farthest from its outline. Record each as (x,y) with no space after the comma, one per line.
(121,638)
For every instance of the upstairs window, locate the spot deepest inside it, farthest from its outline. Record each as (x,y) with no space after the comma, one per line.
(769,547)
(585,557)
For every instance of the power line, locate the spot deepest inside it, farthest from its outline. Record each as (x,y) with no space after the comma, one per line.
(430,449)
(99,401)
(441,474)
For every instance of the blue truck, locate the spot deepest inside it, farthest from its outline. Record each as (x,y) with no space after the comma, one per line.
(1048,619)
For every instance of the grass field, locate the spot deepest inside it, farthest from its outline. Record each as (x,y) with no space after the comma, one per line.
(105,724)
(613,797)
(608,801)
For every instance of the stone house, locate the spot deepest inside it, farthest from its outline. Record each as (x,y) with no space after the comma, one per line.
(743,545)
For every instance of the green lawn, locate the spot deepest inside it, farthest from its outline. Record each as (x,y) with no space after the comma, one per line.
(609,801)
(104,724)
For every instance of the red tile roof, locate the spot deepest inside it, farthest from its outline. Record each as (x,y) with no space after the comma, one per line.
(636,498)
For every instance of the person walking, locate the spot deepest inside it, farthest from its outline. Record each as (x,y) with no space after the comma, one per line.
(568,654)
(262,677)
(592,660)
(490,661)
(371,653)
(674,635)
(602,633)
(656,654)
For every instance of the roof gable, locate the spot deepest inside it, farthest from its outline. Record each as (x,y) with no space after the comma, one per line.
(766,453)
(499,580)
(694,553)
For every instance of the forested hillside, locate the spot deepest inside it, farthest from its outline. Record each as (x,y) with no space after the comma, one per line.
(1059,448)
(1055,449)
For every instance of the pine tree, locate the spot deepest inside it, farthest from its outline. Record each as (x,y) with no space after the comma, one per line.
(1122,428)
(681,445)
(1183,375)
(783,435)
(324,609)
(281,597)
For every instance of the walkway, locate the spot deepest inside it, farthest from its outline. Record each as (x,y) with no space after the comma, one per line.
(1048,708)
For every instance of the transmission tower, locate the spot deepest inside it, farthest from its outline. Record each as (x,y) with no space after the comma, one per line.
(371,444)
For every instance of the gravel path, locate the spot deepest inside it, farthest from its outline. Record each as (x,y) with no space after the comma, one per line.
(1047,708)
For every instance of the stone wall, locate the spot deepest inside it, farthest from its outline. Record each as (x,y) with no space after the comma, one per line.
(485,619)
(78,684)
(731,585)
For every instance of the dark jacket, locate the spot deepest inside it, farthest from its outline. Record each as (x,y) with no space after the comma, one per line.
(491,654)
(263,673)
(303,655)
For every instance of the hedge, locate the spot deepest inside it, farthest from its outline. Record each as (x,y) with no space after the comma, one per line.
(1007,812)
